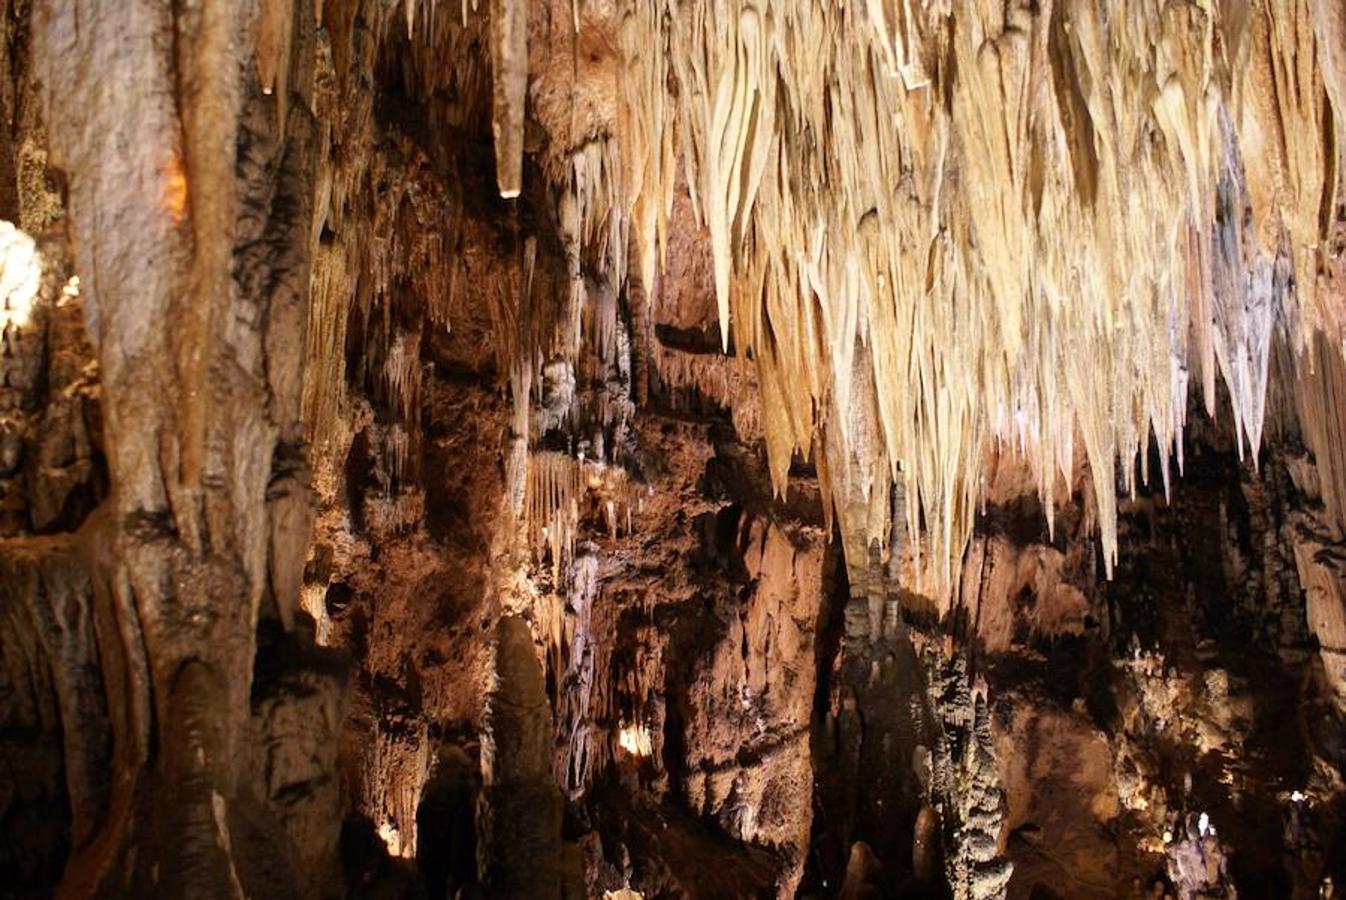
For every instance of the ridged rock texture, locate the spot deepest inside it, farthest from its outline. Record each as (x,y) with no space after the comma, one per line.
(673,448)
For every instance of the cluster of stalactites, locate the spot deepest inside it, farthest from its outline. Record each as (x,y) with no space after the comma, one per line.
(560,489)
(583,333)
(383,234)
(935,230)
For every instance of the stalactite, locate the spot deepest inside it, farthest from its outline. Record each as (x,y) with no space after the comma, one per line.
(1281,121)
(384,237)
(402,375)
(862,201)
(275,21)
(581,754)
(509,72)
(1330,19)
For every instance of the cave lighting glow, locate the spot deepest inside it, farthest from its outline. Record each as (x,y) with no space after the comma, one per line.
(20,276)
(635,740)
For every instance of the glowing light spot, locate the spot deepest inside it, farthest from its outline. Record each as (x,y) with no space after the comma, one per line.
(173,197)
(1203,825)
(20,276)
(1297,797)
(635,740)
(69,292)
(390,836)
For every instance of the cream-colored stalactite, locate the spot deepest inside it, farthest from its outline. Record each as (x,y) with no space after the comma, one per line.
(650,163)
(732,82)
(1282,137)
(402,374)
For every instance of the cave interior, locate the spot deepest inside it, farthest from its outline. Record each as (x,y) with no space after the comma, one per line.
(636,449)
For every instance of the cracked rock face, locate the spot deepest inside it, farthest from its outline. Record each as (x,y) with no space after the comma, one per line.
(706,449)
